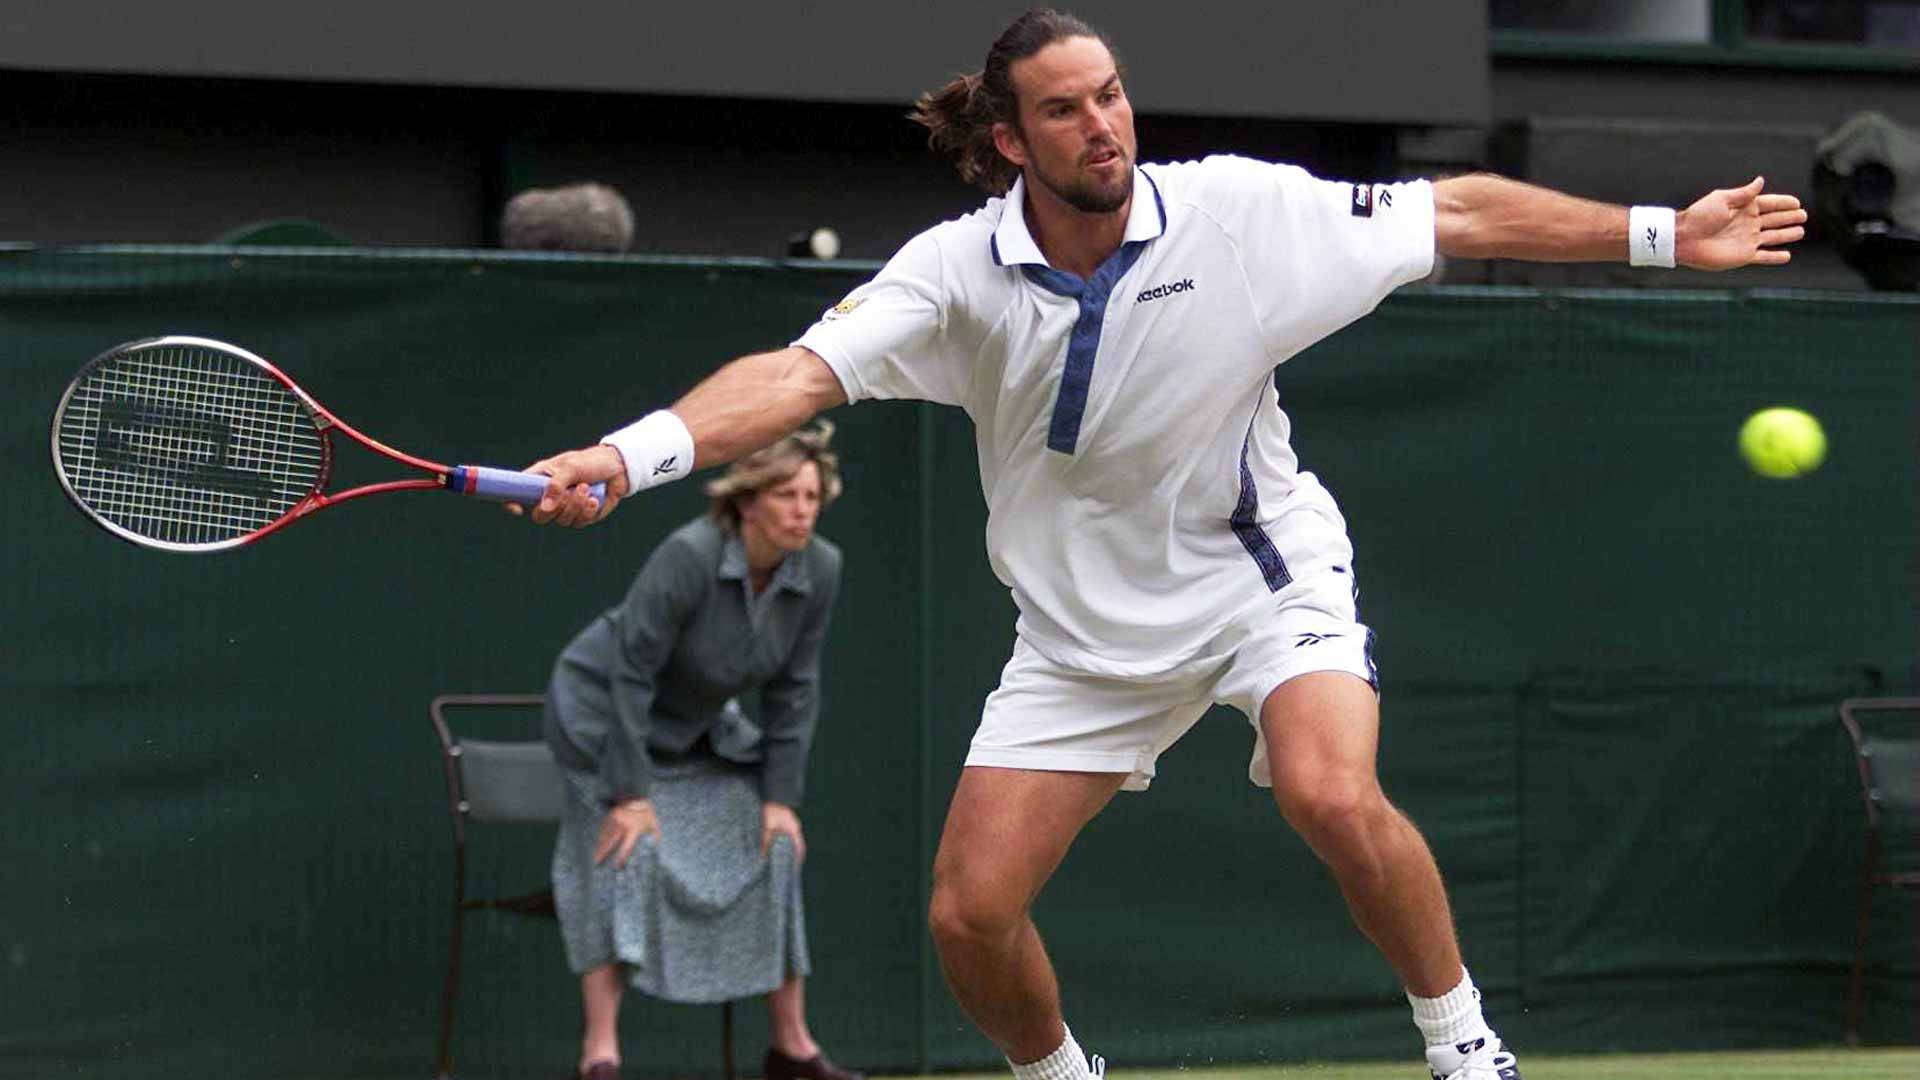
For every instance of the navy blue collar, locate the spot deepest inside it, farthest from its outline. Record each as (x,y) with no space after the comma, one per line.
(1144,224)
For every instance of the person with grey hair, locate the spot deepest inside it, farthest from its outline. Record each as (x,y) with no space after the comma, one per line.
(677,866)
(577,217)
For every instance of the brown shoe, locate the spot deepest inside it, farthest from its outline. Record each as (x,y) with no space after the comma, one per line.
(779,1066)
(601,1070)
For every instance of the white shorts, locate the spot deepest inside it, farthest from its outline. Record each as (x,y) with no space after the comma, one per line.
(1049,717)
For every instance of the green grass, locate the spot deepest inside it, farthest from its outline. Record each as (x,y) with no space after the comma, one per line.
(1835,1064)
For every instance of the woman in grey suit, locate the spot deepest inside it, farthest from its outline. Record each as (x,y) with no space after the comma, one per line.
(678,860)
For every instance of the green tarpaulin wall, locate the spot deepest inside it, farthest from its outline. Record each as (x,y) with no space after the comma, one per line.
(1610,661)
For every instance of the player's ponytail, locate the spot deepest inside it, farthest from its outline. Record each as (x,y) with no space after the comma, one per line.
(959,117)
(959,125)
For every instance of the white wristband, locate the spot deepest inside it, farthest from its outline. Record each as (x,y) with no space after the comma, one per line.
(1650,236)
(657,448)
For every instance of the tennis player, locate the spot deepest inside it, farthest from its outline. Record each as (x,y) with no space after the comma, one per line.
(1112,329)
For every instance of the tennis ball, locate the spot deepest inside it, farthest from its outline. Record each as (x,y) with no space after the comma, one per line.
(1782,443)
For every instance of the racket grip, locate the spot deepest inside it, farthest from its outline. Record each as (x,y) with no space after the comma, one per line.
(504,485)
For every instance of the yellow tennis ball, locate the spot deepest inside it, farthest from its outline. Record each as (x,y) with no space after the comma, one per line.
(1782,443)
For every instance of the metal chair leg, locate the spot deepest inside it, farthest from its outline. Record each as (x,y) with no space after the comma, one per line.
(444,1069)
(1856,979)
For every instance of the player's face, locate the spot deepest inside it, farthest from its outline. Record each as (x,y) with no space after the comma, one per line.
(782,515)
(1075,135)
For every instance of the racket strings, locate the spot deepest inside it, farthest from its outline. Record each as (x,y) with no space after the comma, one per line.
(188,445)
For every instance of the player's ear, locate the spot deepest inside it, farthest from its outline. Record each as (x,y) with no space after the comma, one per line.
(1006,139)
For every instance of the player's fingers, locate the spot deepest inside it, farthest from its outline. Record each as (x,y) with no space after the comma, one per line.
(588,506)
(1769,237)
(572,508)
(566,497)
(546,467)
(1771,203)
(1741,196)
(551,503)
(598,508)
(565,501)
(616,491)
(1772,257)
(1780,219)
(608,840)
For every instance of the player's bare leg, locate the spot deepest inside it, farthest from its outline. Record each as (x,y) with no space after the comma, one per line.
(1006,832)
(1322,733)
(600,997)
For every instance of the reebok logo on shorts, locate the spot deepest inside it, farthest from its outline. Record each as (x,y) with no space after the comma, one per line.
(1169,289)
(1314,639)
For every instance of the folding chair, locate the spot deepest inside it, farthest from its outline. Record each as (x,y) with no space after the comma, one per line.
(491,782)
(1888,757)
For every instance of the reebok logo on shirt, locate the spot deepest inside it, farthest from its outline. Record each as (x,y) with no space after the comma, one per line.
(1367,196)
(1170,288)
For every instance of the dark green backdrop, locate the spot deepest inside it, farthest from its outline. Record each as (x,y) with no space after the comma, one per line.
(1610,659)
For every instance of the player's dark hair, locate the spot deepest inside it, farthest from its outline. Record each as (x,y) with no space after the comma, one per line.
(959,117)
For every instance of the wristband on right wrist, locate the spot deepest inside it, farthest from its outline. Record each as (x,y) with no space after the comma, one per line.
(1650,236)
(657,449)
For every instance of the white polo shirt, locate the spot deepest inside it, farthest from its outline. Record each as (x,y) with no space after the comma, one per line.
(1140,487)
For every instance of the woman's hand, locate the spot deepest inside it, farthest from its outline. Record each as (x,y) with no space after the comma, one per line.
(623,827)
(778,819)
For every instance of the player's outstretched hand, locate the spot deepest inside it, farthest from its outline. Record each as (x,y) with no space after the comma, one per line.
(567,501)
(1738,227)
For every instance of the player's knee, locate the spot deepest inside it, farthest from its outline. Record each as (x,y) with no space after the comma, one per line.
(959,913)
(1326,808)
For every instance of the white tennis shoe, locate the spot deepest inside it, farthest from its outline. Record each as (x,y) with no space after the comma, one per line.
(1485,1058)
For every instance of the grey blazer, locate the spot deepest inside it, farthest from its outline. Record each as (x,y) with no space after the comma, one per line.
(651,677)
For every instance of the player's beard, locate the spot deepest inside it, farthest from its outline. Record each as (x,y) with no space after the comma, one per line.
(1088,195)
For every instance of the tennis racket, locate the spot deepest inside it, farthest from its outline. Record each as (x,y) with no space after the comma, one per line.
(188,444)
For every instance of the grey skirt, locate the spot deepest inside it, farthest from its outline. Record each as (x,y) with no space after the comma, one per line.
(697,915)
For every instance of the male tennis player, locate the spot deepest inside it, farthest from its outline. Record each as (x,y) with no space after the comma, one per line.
(1112,330)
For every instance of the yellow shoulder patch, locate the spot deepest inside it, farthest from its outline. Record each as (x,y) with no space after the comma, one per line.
(844,307)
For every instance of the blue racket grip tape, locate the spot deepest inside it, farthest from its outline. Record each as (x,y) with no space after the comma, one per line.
(504,485)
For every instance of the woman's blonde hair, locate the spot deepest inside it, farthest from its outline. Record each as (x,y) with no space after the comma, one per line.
(775,464)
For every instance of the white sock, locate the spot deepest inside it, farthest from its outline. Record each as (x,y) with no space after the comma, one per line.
(1453,1017)
(1068,1062)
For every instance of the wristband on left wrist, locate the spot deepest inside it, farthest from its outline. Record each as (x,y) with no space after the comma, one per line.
(1650,236)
